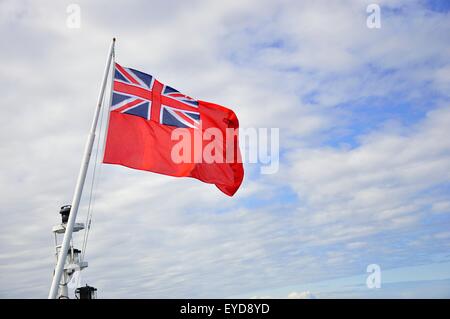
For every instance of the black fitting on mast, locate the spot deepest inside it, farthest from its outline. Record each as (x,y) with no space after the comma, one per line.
(65,212)
(86,292)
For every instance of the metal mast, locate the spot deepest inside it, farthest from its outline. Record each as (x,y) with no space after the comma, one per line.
(73,262)
(63,251)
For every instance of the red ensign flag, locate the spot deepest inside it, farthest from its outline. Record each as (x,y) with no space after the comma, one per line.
(154,127)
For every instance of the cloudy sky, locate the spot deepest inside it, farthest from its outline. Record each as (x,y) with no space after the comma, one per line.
(364,174)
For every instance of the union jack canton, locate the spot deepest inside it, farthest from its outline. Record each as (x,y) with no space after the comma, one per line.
(140,94)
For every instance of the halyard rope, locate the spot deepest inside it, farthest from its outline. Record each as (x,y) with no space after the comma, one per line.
(94,183)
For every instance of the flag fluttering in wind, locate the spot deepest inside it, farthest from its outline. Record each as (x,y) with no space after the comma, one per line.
(156,128)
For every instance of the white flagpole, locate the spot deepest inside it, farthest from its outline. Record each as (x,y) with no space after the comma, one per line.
(80,183)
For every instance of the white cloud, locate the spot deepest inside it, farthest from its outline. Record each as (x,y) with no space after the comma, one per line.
(301,295)
(278,64)
(377,178)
